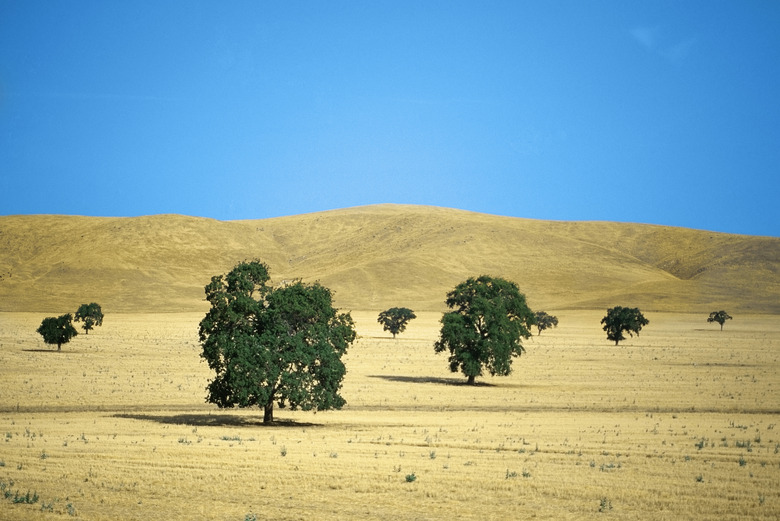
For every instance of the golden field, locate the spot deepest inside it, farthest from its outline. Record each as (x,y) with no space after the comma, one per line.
(680,423)
(376,257)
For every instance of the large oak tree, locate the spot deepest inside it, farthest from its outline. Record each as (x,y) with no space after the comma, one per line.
(395,319)
(57,330)
(91,315)
(273,345)
(621,320)
(720,317)
(545,321)
(485,328)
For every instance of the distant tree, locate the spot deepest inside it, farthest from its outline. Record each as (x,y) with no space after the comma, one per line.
(91,315)
(270,345)
(57,330)
(545,321)
(395,319)
(621,319)
(720,317)
(489,318)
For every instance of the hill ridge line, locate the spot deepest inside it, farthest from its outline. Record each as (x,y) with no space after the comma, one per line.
(377,256)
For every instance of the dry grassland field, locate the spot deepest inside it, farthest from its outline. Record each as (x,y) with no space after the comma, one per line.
(680,423)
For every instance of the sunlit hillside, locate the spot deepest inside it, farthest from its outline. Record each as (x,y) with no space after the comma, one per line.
(379,256)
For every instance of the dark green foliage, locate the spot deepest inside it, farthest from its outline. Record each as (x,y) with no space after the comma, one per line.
(544,321)
(484,331)
(57,330)
(273,345)
(395,319)
(620,319)
(720,317)
(90,314)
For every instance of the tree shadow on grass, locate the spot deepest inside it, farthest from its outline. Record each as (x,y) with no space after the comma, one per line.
(214,420)
(459,382)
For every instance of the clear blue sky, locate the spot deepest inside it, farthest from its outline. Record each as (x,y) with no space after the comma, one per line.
(664,112)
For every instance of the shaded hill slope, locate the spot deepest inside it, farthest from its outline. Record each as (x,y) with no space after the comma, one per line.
(375,257)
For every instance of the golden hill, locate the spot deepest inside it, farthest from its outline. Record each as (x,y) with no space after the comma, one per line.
(375,257)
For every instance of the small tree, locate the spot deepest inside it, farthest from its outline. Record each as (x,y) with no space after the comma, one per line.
(620,319)
(720,317)
(57,330)
(395,319)
(270,345)
(485,328)
(91,315)
(545,321)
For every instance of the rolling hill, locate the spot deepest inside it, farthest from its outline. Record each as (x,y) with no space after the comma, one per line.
(375,257)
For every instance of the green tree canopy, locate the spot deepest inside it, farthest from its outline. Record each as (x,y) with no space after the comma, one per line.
(720,317)
(489,318)
(57,330)
(91,315)
(544,321)
(273,345)
(395,319)
(622,319)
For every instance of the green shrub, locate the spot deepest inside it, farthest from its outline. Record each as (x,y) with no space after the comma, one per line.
(26,499)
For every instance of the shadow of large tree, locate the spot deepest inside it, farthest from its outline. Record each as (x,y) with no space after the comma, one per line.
(430,380)
(213,420)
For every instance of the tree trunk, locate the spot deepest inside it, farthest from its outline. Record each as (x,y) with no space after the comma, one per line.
(59,346)
(471,380)
(268,416)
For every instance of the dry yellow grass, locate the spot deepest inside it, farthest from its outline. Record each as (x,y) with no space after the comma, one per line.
(677,424)
(680,423)
(376,257)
